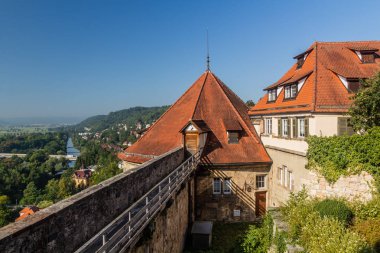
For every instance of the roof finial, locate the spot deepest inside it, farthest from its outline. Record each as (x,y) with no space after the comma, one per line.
(208,55)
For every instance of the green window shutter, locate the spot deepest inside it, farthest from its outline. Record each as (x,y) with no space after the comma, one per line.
(279,127)
(342,126)
(295,128)
(289,128)
(306,127)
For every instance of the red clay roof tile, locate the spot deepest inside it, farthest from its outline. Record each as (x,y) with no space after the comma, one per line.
(323,91)
(211,101)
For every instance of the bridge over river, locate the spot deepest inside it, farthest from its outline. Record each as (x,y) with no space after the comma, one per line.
(67,157)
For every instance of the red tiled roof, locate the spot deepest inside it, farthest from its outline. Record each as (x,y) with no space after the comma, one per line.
(323,91)
(27,211)
(83,173)
(133,158)
(211,101)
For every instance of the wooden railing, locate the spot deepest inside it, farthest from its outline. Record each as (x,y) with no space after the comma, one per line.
(126,229)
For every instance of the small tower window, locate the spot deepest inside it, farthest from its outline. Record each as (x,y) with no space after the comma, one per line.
(233,137)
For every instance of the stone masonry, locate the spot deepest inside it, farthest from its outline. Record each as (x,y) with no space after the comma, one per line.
(349,187)
(68,224)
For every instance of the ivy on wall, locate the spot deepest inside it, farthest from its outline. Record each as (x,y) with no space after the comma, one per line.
(345,155)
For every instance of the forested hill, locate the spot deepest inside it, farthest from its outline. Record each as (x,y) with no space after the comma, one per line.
(127,116)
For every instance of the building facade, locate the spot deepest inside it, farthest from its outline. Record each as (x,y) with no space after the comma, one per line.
(231,182)
(312,98)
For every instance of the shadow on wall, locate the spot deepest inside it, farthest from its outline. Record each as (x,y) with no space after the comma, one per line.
(223,207)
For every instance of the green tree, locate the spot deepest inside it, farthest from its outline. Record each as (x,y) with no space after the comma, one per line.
(31,195)
(250,103)
(365,110)
(52,191)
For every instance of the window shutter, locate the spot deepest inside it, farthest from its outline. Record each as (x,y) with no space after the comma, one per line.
(264,126)
(279,127)
(289,129)
(295,128)
(306,127)
(341,126)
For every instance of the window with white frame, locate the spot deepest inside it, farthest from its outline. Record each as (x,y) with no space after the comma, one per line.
(286,180)
(260,181)
(291,91)
(268,126)
(285,127)
(279,172)
(272,95)
(291,180)
(217,186)
(301,127)
(227,186)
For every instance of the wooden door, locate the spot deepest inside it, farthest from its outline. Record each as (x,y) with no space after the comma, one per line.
(191,141)
(261,203)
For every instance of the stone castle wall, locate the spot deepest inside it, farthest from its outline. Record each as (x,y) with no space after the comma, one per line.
(349,187)
(223,207)
(68,224)
(169,229)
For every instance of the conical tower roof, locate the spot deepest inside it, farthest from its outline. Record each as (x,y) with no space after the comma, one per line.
(212,102)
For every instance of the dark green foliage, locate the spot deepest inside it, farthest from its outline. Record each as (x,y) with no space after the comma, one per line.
(37,168)
(51,143)
(365,110)
(31,195)
(333,208)
(258,239)
(345,155)
(128,116)
(250,103)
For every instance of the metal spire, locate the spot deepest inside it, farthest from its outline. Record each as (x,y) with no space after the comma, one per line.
(208,55)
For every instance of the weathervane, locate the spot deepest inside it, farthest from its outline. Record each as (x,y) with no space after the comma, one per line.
(208,54)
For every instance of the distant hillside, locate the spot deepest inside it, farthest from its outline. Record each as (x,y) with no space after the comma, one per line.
(127,116)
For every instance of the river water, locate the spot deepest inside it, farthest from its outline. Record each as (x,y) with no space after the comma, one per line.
(71,150)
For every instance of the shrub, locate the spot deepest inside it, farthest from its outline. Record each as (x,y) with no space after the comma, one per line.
(369,210)
(45,203)
(369,229)
(279,241)
(335,209)
(296,211)
(258,239)
(324,234)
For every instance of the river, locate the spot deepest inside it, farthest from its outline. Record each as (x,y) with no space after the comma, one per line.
(71,150)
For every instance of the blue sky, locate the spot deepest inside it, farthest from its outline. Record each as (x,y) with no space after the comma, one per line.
(81,58)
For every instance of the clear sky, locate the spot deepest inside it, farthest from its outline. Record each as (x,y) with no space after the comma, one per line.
(81,58)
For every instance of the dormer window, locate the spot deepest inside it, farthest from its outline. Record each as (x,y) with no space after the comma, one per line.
(368,57)
(290,91)
(365,54)
(272,95)
(353,84)
(233,137)
(233,130)
(301,60)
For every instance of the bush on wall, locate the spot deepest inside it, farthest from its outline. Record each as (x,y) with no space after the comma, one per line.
(345,155)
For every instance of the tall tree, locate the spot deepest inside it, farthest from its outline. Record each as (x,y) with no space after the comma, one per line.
(31,195)
(365,110)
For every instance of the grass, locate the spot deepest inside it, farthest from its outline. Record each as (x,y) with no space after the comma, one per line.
(225,237)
